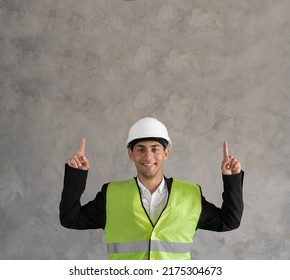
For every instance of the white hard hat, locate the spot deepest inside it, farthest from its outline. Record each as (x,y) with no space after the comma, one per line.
(148,128)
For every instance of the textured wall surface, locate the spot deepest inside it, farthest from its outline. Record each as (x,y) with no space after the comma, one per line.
(210,70)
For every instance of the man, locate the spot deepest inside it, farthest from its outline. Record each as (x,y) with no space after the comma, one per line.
(150,216)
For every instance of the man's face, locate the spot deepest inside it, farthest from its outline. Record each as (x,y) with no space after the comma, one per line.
(148,157)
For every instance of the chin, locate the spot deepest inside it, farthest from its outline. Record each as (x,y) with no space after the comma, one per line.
(148,175)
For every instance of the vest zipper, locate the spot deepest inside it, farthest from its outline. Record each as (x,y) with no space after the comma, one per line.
(153,226)
(140,196)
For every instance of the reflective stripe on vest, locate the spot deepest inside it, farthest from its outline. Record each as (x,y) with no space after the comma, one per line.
(130,233)
(155,245)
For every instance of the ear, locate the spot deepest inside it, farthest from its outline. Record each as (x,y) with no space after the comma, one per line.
(130,154)
(166,154)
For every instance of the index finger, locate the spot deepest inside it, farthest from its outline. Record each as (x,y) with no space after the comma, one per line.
(83,146)
(226,150)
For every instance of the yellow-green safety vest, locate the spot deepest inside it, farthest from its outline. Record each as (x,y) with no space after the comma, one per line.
(130,234)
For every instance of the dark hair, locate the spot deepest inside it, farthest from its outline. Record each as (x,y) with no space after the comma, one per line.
(162,141)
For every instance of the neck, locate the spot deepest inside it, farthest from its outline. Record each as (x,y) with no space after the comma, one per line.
(151,183)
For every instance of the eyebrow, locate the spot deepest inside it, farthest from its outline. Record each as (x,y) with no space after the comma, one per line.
(152,146)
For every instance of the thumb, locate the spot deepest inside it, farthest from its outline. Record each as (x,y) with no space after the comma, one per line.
(85,162)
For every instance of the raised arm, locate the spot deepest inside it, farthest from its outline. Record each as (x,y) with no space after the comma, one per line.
(229,216)
(71,213)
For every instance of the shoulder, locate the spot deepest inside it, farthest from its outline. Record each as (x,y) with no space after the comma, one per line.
(123,183)
(176,181)
(182,184)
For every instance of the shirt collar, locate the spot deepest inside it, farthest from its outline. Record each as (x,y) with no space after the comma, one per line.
(144,189)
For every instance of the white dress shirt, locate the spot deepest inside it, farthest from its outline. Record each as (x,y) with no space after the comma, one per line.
(154,203)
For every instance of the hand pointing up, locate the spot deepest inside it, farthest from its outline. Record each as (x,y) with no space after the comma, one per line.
(230,165)
(79,160)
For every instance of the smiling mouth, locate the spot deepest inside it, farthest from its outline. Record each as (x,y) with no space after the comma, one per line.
(148,164)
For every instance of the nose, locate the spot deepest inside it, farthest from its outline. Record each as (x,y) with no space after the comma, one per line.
(148,154)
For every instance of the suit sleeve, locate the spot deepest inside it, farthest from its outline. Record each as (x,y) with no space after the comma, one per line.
(71,213)
(229,216)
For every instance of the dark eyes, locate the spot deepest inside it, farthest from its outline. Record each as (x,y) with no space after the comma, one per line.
(142,150)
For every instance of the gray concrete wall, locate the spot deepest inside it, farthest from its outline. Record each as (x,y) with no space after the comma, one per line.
(210,70)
